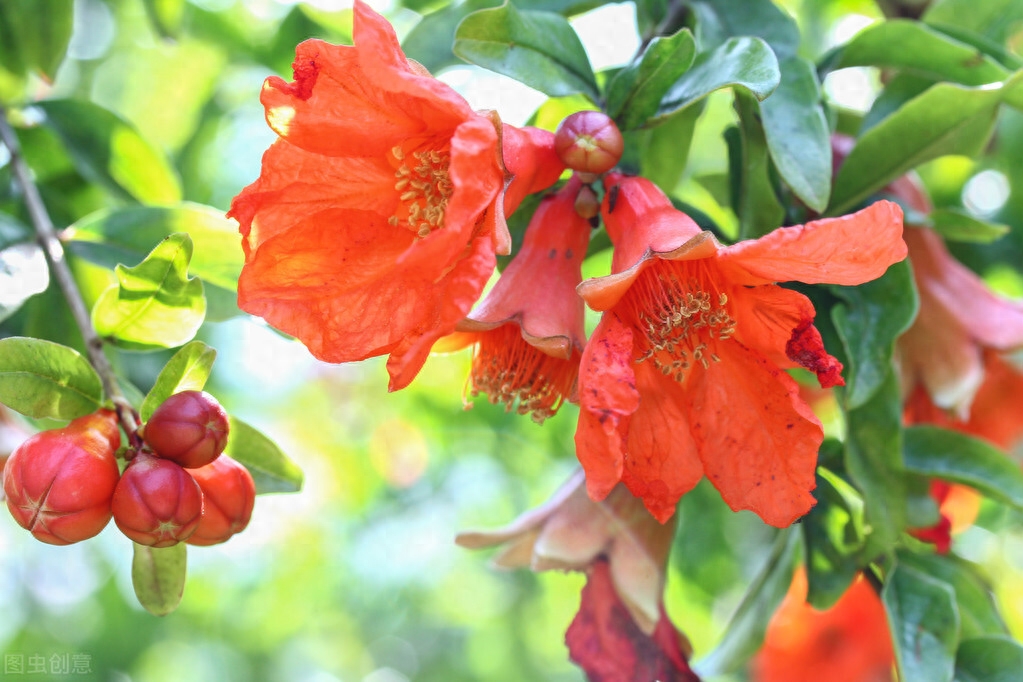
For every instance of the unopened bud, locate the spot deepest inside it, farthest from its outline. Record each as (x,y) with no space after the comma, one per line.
(587,205)
(589,142)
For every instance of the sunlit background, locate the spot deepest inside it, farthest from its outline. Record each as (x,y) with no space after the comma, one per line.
(357,578)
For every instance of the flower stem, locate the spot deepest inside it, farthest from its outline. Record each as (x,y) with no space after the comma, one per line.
(54,252)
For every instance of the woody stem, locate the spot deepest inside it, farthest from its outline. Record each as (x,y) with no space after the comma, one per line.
(54,252)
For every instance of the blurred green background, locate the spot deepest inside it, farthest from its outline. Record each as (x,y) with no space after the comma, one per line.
(357,577)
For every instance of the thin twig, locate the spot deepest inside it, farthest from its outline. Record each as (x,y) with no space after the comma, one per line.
(54,252)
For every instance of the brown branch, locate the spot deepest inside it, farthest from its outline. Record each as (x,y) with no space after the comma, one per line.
(54,252)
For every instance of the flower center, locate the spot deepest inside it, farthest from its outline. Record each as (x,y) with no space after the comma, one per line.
(424,185)
(511,371)
(680,314)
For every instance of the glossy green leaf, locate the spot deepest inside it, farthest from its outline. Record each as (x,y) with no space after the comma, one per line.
(158,576)
(635,93)
(978,612)
(754,198)
(873,316)
(919,49)
(34,35)
(745,631)
(430,41)
(272,470)
(924,621)
(739,62)
(989,659)
(108,150)
(154,304)
(957,457)
(958,226)
(873,459)
(665,152)
(126,235)
(718,20)
(994,19)
(23,274)
(832,536)
(945,119)
(797,133)
(43,379)
(539,49)
(187,370)
(901,88)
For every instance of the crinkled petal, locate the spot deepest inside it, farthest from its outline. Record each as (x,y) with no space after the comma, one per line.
(778,322)
(607,398)
(851,249)
(758,440)
(661,462)
(295,184)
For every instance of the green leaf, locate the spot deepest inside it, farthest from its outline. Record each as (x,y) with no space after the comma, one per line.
(900,89)
(873,316)
(429,42)
(23,274)
(126,235)
(956,225)
(109,151)
(158,575)
(873,458)
(718,20)
(272,470)
(754,198)
(13,232)
(945,119)
(993,19)
(154,304)
(665,152)
(921,50)
(539,49)
(187,370)
(635,93)
(34,35)
(739,62)
(832,534)
(42,379)
(989,659)
(978,613)
(924,621)
(797,133)
(745,631)
(957,457)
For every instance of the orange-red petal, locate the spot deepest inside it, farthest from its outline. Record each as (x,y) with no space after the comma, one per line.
(758,440)
(851,249)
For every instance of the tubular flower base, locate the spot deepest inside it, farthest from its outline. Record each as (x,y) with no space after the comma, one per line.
(621,633)
(685,374)
(849,642)
(374,224)
(529,331)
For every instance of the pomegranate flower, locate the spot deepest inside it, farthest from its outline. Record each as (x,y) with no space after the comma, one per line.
(621,631)
(849,642)
(528,330)
(685,374)
(374,224)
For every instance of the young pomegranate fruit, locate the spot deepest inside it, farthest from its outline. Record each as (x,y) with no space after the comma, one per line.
(59,482)
(229,494)
(156,503)
(189,428)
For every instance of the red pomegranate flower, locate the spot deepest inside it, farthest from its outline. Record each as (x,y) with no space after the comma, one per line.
(528,330)
(685,374)
(849,642)
(373,226)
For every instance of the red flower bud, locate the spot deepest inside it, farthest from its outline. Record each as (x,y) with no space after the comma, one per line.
(156,503)
(189,428)
(229,494)
(59,482)
(589,142)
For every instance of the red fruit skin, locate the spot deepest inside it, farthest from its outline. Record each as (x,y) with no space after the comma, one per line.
(589,142)
(156,503)
(59,483)
(189,428)
(229,493)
